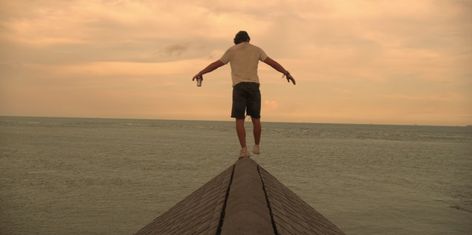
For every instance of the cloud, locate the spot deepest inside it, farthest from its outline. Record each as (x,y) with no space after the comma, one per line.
(270,105)
(175,49)
(117,68)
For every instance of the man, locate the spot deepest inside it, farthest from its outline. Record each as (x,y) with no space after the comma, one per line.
(244,58)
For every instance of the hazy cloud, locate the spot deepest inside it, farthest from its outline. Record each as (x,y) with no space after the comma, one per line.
(356,61)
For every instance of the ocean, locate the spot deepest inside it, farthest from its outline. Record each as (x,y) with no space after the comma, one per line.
(113,176)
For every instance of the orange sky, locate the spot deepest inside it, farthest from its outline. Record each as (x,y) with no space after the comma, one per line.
(398,62)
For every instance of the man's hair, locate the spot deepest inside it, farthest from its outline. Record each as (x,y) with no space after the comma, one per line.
(241,36)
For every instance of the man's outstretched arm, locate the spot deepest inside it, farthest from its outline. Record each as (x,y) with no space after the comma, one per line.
(279,68)
(208,69)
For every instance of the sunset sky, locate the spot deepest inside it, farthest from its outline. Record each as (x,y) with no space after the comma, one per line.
(356,61)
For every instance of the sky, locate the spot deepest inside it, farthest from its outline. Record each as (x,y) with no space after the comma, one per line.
(356,61)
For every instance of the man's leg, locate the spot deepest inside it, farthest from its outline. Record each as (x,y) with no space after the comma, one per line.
(238,110)
(256,124)
(241,132)
(254,110)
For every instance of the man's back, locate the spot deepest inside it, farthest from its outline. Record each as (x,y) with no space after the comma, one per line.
(244,58)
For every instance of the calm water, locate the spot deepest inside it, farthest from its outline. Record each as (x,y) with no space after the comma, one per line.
(113,176)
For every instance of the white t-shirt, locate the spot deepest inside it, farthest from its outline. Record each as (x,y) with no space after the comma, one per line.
(244,58)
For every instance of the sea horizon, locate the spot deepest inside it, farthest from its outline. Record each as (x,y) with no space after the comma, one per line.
(230,120)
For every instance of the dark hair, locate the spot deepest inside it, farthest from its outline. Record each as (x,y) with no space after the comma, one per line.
(241,36)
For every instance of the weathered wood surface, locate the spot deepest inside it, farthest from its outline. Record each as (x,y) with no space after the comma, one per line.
(243,199)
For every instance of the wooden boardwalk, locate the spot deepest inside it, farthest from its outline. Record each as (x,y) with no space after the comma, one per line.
(243,199)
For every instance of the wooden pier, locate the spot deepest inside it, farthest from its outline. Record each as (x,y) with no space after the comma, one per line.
(243,199)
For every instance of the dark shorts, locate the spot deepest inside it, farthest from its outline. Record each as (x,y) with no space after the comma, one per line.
(246,99)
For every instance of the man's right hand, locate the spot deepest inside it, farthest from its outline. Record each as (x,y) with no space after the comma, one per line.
(197,77)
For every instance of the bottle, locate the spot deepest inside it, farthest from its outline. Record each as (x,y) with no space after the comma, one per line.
(199,82)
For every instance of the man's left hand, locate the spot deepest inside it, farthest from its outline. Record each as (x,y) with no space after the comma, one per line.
(290,78)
